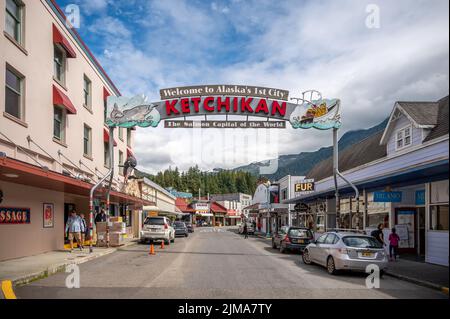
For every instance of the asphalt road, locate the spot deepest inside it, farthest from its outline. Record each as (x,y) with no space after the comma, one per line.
(214,264)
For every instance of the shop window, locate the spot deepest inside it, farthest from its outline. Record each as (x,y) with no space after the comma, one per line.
(87,94)
(377,212)
(87,141)
(403,137)
(14,93)
(14,20)
(439,217)
(58,123)
(59,65)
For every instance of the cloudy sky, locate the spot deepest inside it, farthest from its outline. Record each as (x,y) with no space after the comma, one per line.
(297,45)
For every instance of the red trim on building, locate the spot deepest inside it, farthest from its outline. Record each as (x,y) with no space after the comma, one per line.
(217,208)
(105,94)
(31,175)
(85,47)
(59,98)
(129,152)
(106,136)
(58,38)
(183,205)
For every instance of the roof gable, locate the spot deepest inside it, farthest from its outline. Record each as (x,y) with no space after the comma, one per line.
(421,114)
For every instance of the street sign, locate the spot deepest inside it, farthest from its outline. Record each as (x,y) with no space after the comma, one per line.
(387,197)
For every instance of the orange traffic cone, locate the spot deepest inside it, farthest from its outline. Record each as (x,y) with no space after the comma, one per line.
(152,250)
(162,244)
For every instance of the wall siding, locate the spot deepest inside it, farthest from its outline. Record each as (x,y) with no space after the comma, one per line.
(400,123)
(437,248)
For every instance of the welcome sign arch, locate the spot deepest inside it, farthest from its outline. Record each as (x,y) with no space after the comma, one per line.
(311,111)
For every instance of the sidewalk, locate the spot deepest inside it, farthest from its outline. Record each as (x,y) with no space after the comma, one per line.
(27,269)
(421,273)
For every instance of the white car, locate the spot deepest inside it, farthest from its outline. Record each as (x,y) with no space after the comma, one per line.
(157,229)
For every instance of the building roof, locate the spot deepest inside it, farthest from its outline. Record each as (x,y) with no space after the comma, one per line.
(425,115)
(217,208)
(252,207)
(441,128)
(183,205)
(365,151)
(158,187)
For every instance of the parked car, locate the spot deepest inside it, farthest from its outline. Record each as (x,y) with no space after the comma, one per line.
(292,238)
(156,229)
(180,229)
(190,227)
(346,251)
(250,228)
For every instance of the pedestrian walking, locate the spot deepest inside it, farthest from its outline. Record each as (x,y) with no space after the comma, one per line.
(73,229)
(245,231)
(378,234)
(394,238)
(84,230)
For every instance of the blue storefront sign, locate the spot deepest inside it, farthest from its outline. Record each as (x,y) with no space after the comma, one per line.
(420,197)
(387,197)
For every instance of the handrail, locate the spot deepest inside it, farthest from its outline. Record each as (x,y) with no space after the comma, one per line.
(45,168)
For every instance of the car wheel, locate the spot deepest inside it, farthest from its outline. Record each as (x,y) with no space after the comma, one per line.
(331,266)
(282,249)
(185,235)
(274,245)
(166,242)
(306,257)
(172,240)
(382,272)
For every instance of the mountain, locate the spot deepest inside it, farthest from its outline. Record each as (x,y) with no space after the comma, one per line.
(290,164)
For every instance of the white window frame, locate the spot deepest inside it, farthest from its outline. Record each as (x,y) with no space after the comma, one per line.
(21,21)
(106,155)
(89,153)
(61,81)
(87,105)
(21,94)
(403,137)
(62,130)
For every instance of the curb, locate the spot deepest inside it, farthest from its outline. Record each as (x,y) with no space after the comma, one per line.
(56,268)
(419,282)
(7,290)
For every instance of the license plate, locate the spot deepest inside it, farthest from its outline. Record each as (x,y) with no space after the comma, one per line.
(367,254)
(301,241)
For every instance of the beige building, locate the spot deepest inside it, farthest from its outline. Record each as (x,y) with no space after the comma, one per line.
(53,141)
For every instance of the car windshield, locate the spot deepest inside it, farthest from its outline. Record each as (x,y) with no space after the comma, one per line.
(154,221)
(298,232)
(179,224)
(361,242)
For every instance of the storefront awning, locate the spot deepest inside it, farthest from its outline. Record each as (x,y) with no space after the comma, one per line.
(31,175)
(59,98)
(58,38)
(106,136)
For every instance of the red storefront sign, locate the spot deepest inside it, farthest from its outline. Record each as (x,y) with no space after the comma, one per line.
(14,215)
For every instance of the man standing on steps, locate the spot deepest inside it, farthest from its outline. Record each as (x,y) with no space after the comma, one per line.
(73,228)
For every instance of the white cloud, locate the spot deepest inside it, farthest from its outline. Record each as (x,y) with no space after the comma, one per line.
(292,45)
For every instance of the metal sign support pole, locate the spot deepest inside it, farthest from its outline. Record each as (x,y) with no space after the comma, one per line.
(91,195)
(335,173)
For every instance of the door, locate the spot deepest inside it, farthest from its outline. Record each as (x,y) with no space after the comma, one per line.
(406,217)
(421,230)
(315,250)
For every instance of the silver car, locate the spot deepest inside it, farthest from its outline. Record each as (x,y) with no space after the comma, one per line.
(346,251)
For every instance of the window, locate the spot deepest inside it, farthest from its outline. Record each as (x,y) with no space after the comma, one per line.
(13,19)
(321,239)
(403,138)
(14,93)
(439,217)
(87,141)
(284,194)
(107,158)
(87,86)
(58,123)
(129,137)
(105,110)
(59,65)
(121,133)
(120,158)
